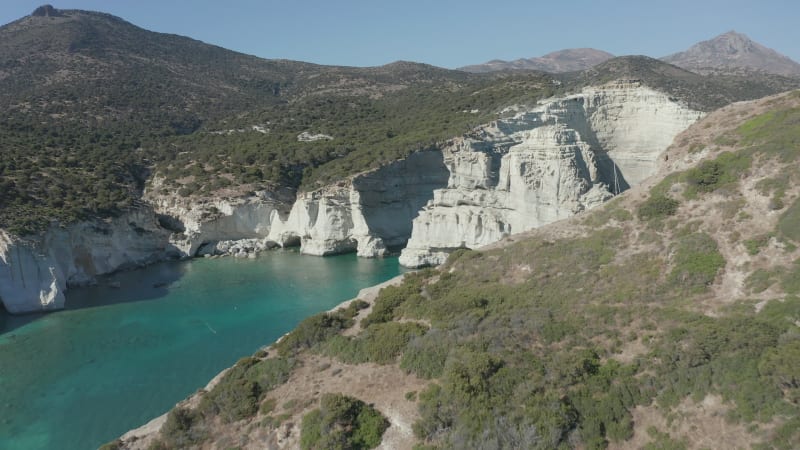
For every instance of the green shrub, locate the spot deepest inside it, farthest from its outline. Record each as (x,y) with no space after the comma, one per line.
(774,133)
(425,355)
(240,390)
(380,343)
(696,262)
(311,332)
(781,365)
(391,297)
(180,429)
(267,406)
(657,207)
(724,170)
(663,441)
(342,422)
(610,211)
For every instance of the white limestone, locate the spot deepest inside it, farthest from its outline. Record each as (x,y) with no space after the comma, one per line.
(305,136)
(545,164)
(35,272)
(367,213)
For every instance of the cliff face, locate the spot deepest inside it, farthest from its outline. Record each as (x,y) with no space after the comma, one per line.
(198,225)
(35,272)
(366,213)
(545,164)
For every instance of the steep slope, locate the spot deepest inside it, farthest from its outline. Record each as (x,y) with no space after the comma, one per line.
(568,60)
(666,318)
(733,52)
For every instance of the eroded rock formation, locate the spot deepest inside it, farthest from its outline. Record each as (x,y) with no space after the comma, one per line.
(545,164)
(35,272)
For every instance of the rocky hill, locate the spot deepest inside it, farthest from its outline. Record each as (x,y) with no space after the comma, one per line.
(666,318)
(733,52)
(568,60)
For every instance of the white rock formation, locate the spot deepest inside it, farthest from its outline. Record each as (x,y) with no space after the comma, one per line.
(35,272)
(196,224)
(545,164)
(305,136)
(366,213)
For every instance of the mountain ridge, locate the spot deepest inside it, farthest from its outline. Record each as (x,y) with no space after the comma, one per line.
(733,51)
(728,53)
(567,60)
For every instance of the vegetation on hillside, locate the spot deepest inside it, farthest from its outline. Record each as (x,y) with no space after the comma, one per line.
(342,423)
(564,342)
(95,107)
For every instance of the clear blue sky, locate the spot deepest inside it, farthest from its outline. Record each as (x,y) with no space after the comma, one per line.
(447,33)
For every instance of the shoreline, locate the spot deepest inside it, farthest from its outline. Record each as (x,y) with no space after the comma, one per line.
(141,437)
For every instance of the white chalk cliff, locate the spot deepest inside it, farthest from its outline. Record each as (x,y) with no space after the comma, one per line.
(35,272)
(539,165)
(544,164)
(367,213)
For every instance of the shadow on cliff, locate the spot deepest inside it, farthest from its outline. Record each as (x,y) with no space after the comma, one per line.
(142,284)
(392,197)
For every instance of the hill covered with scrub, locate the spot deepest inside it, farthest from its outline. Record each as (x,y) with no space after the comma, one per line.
(95,107)
(669,318)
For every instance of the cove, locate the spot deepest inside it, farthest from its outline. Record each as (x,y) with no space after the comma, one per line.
(118,357)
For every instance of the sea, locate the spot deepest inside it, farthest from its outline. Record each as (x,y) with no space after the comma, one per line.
(128,349)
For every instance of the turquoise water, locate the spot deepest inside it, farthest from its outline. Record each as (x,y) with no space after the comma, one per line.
(117,358)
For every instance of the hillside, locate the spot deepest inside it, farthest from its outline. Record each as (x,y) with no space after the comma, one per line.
(568,60)
(667,318)
(701,92)
(733,52)
(97,108)
(96,104)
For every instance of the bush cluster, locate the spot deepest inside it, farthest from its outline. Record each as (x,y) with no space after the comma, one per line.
(658,207)
(342,422)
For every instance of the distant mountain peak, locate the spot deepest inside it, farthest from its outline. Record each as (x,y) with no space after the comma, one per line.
(567,60)
(733,51)
(46,11)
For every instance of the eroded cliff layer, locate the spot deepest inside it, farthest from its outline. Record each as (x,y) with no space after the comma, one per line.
(544,164)
(366,213)
(35,272)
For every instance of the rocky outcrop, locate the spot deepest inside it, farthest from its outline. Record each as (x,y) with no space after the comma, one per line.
(35,271)
(368,213)
(196,224)
(545,164)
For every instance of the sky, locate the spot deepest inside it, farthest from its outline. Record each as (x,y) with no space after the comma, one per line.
(447,33)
